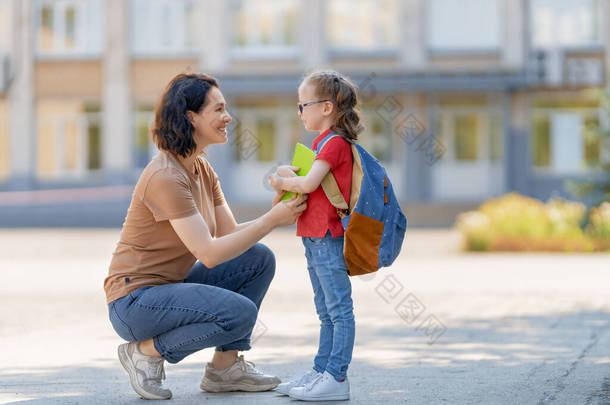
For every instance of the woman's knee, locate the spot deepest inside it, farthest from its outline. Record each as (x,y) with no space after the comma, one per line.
(245,314)
(266,257)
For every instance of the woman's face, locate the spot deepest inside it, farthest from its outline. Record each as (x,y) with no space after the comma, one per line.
(210,124)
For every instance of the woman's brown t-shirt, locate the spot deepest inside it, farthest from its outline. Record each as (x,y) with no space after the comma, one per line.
(149,251)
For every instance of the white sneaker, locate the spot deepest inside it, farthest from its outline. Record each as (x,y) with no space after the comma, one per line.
(304,379)
(322,388)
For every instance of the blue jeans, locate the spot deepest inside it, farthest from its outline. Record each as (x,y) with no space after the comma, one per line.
(212,307)
(333,299)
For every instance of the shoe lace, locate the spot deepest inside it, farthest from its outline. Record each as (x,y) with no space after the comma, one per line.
(313,382)
(157,373)
(247,366)
(306,378)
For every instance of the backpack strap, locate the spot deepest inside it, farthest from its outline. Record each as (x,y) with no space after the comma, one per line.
(330,186)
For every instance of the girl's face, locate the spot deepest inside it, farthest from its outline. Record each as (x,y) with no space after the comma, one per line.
(315,117)
(210,124)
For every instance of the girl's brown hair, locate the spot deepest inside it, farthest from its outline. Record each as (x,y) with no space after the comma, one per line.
(343,94)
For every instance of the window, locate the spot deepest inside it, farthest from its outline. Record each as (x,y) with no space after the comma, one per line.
(144,147)
(68,27)
(472,134)
(463,25)
(259,144)
(379,137)
(68,139)
(4,141)
(563,23)
(264,26)
(565,141)
(163,26)
(264,133)
(496,139)
(466,135)
(363,24)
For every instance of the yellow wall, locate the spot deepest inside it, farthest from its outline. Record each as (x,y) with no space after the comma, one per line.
(69,79)
(149,77)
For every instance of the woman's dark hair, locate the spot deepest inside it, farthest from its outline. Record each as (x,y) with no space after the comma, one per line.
(172,129)
(343,94)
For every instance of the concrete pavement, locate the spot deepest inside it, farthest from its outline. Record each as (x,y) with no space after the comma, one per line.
(437,327)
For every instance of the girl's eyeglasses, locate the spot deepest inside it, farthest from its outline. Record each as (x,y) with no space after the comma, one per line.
(301,106)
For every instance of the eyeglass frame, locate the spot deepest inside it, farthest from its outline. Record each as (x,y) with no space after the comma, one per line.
(301,107)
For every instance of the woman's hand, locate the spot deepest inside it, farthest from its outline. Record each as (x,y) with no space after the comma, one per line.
(286,212)
(277,197)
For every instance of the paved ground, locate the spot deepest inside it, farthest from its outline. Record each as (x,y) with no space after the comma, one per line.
(437,327)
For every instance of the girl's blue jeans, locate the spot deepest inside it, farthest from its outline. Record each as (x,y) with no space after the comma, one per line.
(333,299)
(212,307)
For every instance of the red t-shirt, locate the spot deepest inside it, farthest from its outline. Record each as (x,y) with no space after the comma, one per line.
(320,215)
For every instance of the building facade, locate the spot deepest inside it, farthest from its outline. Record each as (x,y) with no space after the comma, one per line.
(462,99)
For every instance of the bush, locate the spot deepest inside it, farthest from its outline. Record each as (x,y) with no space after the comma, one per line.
(517,223)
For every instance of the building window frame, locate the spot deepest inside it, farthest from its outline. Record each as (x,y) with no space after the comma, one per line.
(254,30)
(86,28)
(493,47)
(149,25)
(375,50)
(593,44)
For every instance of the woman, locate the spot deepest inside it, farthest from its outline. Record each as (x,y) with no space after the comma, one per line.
(184,275)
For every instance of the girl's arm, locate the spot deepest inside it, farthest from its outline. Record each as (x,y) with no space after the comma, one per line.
(304,184)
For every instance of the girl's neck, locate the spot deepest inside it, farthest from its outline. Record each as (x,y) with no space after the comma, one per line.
(327,128)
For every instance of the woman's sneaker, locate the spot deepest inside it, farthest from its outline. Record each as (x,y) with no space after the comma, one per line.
(145,372)
(241,376)
(323,388)
(306,378)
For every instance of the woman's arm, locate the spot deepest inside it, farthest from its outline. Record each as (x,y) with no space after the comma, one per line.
(304,184)
(195,234)
(225,221)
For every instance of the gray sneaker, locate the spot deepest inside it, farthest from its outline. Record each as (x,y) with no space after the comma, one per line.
(145,372)
(241,376)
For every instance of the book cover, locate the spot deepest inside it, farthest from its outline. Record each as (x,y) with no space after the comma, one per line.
(303,158)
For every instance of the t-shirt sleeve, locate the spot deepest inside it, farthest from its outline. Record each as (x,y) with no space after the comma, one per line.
(168,196)
(217,194)
(335,151)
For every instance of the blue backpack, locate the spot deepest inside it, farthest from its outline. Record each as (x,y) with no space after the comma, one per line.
(373,222)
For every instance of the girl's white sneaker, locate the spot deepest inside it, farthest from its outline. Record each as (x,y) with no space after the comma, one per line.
(306,378)
(323,388)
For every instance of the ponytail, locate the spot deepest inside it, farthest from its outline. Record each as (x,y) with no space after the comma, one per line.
(344,96)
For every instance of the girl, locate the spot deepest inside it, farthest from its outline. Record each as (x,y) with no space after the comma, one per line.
(327,103)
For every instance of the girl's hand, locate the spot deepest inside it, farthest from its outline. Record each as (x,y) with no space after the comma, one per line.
(276,182)
(286,212)
(287,171)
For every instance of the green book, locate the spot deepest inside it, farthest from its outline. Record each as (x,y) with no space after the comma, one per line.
(303,158)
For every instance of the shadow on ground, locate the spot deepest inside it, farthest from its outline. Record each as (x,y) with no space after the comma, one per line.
(509,360)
